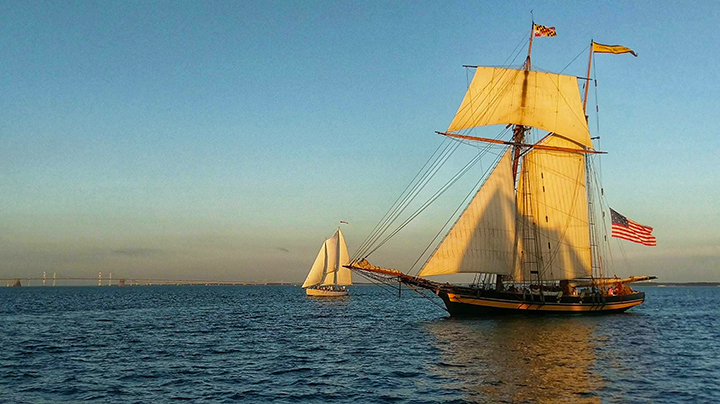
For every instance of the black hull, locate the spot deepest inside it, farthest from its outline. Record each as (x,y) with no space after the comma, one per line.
(468,302)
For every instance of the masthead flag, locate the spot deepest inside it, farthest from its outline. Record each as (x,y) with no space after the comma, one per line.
(541,30)
(616,49)
(343,222)
(626,229)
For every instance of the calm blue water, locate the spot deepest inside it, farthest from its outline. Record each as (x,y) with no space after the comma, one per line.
(272,343)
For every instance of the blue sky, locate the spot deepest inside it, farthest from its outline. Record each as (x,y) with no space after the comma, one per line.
(225,140)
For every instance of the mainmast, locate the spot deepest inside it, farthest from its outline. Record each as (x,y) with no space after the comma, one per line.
(596,267)
(587,84)
(596,257)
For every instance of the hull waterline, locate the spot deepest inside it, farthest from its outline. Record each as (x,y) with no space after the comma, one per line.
(325,293)
(490,303)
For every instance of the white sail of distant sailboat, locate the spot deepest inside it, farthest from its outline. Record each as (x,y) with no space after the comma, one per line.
(328,276)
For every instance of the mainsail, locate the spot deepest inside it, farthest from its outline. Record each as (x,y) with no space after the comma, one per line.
(328,269)
(553,212)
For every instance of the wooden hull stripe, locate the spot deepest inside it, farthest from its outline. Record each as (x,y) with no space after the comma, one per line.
(454,298)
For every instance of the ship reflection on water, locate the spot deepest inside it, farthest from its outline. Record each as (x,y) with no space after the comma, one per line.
(520,359)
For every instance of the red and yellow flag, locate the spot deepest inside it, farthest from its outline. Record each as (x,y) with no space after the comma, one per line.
(616,49)
(541,30)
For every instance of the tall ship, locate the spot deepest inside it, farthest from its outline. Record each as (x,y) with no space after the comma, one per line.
(329,275)
(535,233)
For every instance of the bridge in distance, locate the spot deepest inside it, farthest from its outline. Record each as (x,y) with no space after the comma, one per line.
(109,281)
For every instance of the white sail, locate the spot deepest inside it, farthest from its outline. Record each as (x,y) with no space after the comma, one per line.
(328,269)
(344,275)
(318,268)
(483,238)
(557,207)
(546,101)
(331,245)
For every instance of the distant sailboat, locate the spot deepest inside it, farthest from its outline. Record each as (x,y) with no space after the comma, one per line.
(531,231)
(328,277)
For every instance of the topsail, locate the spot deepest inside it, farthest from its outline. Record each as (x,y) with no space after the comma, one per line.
(545,101)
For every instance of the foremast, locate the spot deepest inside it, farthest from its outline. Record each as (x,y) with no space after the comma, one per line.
(528,234)
(519,130)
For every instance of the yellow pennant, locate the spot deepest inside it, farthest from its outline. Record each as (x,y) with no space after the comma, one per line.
(616,49)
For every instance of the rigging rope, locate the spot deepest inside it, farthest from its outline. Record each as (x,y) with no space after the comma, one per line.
(422,293)
(432,199)
(360,251)
(571,62)
(417,184)
(384,284)
(406,197)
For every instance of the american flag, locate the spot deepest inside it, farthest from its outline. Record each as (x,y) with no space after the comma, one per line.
(626,229)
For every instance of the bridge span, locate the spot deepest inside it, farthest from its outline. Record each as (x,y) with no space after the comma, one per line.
(109,281)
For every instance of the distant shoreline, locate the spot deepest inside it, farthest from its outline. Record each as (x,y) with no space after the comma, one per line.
(662,284)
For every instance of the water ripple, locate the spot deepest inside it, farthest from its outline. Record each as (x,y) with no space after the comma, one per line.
(257,344)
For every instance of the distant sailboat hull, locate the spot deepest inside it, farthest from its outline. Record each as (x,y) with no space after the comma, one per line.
(487,302)
(326,292)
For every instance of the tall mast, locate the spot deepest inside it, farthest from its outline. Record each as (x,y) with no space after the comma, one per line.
(519,130)
(532,34)
(587,82)
(327,263)
(337,258)
(596,266)
(530,257)
(616,49)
